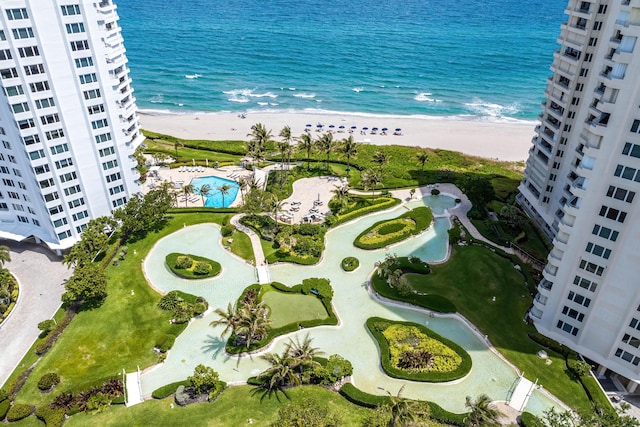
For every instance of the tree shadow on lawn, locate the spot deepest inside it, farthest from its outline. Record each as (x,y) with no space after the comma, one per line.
(266,393)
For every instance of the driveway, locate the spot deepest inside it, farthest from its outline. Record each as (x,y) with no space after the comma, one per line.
(41,276)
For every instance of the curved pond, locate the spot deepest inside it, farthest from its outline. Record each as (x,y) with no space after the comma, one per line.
(200,343)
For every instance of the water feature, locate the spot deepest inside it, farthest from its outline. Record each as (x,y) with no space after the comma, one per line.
(215,198)
(200,343)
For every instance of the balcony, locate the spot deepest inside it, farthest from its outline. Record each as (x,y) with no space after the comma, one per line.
(571,53)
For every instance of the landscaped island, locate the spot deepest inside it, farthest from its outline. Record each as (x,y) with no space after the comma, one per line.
(387,232)
(192,266)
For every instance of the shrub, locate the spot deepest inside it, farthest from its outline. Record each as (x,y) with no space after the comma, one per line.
(51,417)
(201,268)
(183,262)
(204,378)
(4,408)
(167,390)
(199,308)
(350,263)
(183,312)
(226,219)
(19,411)
(169,301)
(46,326)
(336,368)
(527,419)
(387,232)
(455,234)
(435,192)
(3,395)
(317,286)
(165,342)
(227,230)
(48,381)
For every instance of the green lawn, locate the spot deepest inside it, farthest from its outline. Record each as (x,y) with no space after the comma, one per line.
(470,279)
(233,408)
(241,245)
(99,343)
(292,308)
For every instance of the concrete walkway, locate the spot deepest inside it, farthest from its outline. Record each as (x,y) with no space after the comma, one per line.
(41,276)
(255,239)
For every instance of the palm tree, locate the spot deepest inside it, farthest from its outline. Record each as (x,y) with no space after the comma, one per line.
(281,373)
(380,159)
(326,145)
(224,190)
(405,412)
(276,205)
(394,278)
(423,156)
(370,180)
(482,412)
(253,323)
(176,145)
(350,149)
(285,134)
(187,190)
(256,146)
(230,318)
(204,191)
(243,184)
(5,256)
(306,144)
(303,353)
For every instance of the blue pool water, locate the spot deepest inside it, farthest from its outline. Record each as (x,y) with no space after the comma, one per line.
(215,199)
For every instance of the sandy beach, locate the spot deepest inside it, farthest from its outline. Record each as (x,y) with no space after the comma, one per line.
(504,141)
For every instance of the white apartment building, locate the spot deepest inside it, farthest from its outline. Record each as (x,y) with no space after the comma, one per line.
(581,185)
(68,124)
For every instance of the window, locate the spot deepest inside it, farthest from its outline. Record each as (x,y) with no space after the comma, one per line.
(46,183)
(593,41)
(26,124)
(49,119)
(38,154)
(22,33)
(14,90)
(597,25)
(13,195)
(80,215)
(598,250)
(75,28)
(113,177)
(64,163)
(584,72)
(79,45)
(101,123)
(627,357)
(103,138)
(39,86)
(588,57)
(6,145)
(71,9)
(579,299)
(31,139)
(29,51)
(84,62)
(91,94)
(117,189)
(75,203)
(8,73)
(621,194)
(32,70)
(5,54)
(23,218)
(45,103)
(119,202)
(57,149)
(41,169)
(613,214)
(14,14)
(605,232)
(96,109)
(602,8)
(591,268)
(106,151)
(574,314)
(55,210)
(3,37)
(110,164)
(72,190)
(631,340)
(20,107)
(566,327)
(88,78)
(70,176)
(8,182)
(575,101)
(64,235)
(54,134)
(60,222)
(579,87)
(51,197)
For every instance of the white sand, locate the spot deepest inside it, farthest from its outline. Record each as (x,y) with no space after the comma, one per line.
(504,141)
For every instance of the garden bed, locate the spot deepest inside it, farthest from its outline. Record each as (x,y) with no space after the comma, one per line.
(192,266)
(387,232)
(414,352)
(350,263)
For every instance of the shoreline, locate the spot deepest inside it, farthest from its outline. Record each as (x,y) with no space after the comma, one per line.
(506,141)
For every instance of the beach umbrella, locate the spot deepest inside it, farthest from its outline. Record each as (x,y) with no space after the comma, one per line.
(374,128)
(341,127)
(365,128)
(385,129)
(319,125)
(331,126)
(308,125)
(354,127)
(398,129)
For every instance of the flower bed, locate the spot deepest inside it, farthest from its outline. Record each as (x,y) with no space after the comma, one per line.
(414,352)
(350,263)
(192,266)
(384,233)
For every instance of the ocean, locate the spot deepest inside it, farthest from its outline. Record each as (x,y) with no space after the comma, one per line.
(474,59)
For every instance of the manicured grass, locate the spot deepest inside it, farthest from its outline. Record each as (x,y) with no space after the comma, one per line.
(189,273)
(121,333)
(233,408)
(387,232)
(470,279)
(240,245)
(450,361)
(292,308)
(530,241)
(350,263)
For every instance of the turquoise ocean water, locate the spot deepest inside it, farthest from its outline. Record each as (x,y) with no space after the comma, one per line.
(480,59)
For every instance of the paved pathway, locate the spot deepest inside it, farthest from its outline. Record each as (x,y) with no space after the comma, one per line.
(255,239)
(41,276)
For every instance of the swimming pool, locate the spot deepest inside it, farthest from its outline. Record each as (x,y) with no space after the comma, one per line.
(215,199)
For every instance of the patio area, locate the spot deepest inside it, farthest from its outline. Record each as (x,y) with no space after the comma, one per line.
(309,200)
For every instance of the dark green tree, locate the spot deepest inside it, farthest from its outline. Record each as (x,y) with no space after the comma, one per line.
(88,283)
(204,378)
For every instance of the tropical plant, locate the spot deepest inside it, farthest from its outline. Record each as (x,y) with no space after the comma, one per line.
(243,184)
(230,318)
(306,144)
(5,256)
(281,373)
(204,378)
(303,353)
(482,412)
(380,158)
(204,191)
(276,206)
(186,191)
(224,190)
(370,180)
(423,157)
(176,145)
(88,282)
(256,146)
(349,148)
(327,145)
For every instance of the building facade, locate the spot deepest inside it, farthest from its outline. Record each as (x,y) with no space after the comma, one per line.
(68,121)
(580,185)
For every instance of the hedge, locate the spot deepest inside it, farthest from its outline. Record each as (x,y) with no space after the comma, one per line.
(19,411)
(392,371)
(51,417)
(594,392)
(188,273)
(431,302)
(350,263)
(331,318)
(361,398)
(422,217)
(167,390)
(48,381)
(340,219)
(4,408)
